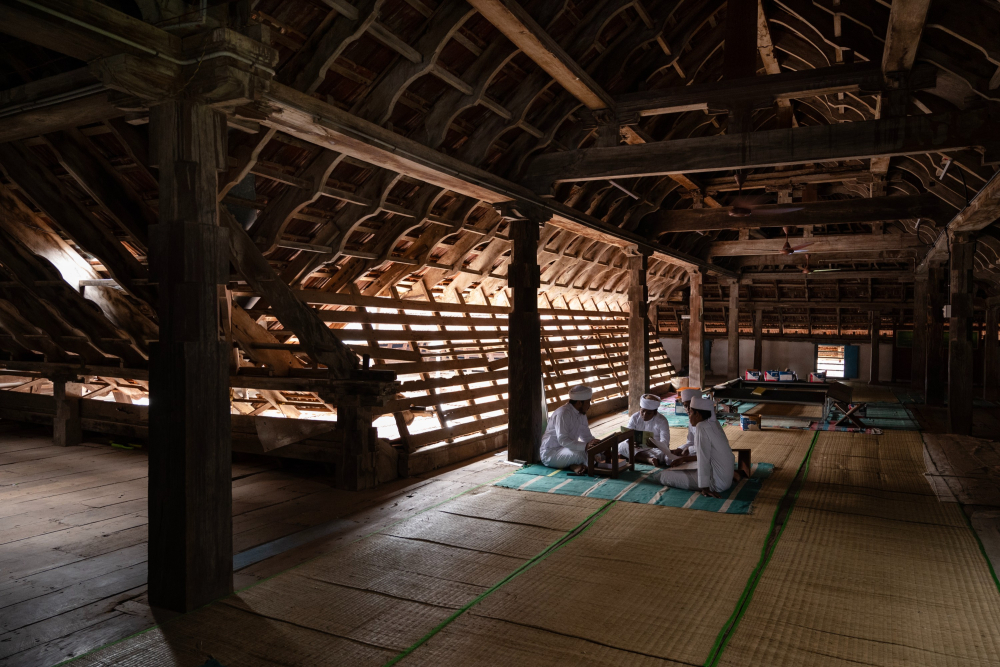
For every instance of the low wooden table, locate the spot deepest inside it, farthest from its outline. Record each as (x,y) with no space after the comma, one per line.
(609,445)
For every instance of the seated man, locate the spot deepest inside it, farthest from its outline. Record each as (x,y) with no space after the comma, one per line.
(688,449)
(715,472)
(648,419)
(564,443)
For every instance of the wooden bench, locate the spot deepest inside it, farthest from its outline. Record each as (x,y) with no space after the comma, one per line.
(609,445)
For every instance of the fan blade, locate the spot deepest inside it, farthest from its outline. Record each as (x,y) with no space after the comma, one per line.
(777,211)
(800,248)
(824,270)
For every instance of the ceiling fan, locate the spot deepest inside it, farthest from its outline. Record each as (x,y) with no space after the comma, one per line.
(788,248)
(806,270)
(742,209)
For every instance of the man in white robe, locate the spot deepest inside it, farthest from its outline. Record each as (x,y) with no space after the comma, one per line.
(715,472)
(648,419)
(687,449)
(564,443)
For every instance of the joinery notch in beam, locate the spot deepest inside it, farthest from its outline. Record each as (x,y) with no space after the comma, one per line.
(842,211)
(516,24)
(763,91)
(843,141)
(817,244)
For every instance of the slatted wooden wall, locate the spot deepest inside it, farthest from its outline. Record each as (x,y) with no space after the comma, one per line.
(452,358)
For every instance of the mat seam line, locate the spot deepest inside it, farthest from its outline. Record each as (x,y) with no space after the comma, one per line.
(585,639)
(726,632)
(570,535)
(982,549)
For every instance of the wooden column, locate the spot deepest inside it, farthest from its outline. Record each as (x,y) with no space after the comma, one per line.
(524,383)
(991,355)
(190,487)
(935,369)
(963,249)
(638,337)
(873,328)
(696,333)
(66,427)
(758,339)
(685,357)
(734,329)
(918,358)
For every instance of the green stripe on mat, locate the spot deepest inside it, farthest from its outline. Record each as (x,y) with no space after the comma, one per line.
(982,549)
(257,583)
(571,535)
(722,640)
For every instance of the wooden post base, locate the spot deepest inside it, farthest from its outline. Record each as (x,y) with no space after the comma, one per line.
(67,430)
(357,472)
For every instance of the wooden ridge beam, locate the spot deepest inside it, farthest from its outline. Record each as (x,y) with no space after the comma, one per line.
(762,91)
(519,27)
(844,141)
(843,211)
(817,244)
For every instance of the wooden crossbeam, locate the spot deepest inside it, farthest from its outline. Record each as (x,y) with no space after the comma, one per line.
(844,141)
(842,211)
(817,244)
(762,91)
(900,276)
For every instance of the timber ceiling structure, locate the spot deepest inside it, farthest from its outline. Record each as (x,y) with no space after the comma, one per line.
(383,148)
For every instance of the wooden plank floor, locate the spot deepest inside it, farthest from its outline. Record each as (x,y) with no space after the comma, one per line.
(73,534)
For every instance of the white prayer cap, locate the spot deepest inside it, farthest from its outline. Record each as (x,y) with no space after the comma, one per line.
(702,403)
(649,402)
(689,393)
(580,392)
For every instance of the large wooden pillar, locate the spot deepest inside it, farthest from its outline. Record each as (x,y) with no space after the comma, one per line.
(758,339)
(991,355)
(696,333)
(638,336)
(918,358)
(936,367)
(874,329)
(734,330)
(524,376)
(190,487)
(963,249)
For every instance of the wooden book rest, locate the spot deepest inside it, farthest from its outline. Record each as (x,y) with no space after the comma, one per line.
(609,445)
